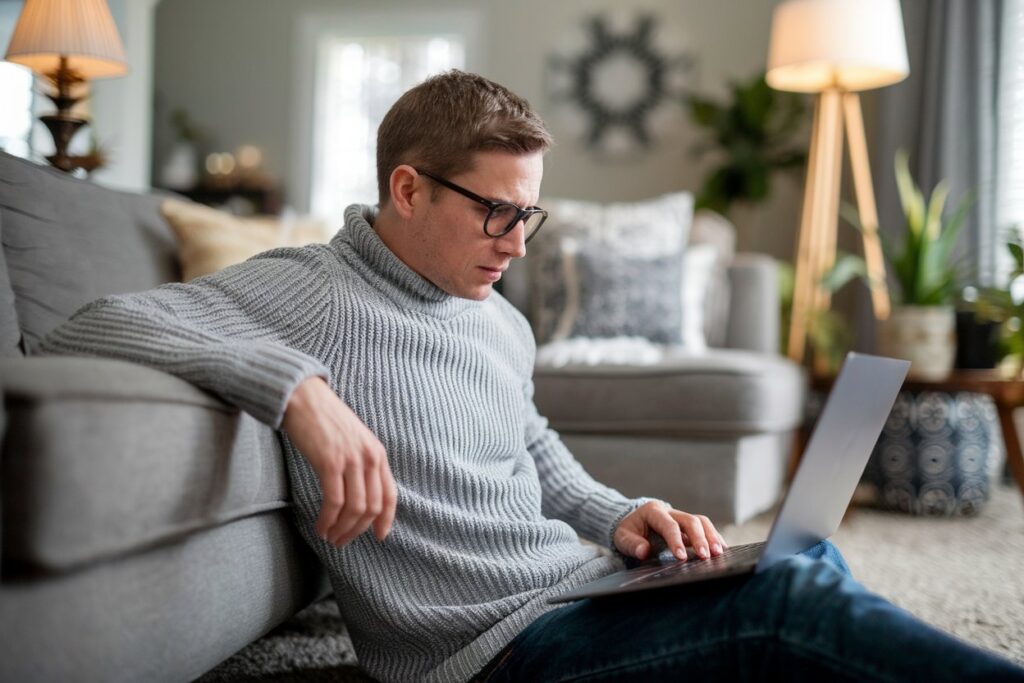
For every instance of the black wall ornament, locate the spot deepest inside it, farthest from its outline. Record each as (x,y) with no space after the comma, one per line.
(617,83)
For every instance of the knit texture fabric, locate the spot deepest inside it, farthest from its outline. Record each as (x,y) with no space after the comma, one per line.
(490,501)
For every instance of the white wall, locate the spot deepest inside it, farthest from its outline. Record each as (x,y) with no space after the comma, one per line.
(122,112)
(232,65)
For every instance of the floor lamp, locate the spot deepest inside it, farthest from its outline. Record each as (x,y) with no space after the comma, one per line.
(835,49)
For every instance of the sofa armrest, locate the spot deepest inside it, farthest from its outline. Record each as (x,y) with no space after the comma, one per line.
(103,457)
(753,304)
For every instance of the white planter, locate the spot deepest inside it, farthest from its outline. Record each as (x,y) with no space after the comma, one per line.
(179,172)
(924,335)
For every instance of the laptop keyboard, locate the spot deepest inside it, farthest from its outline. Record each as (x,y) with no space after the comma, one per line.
(731,555)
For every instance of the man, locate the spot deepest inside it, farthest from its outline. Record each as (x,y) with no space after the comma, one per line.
(403,387)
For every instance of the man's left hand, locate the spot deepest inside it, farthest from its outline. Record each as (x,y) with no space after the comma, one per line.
(678,528)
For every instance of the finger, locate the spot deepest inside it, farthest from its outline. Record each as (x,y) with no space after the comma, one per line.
(660,520)
(715,539)
(632,544)
(373,506)
(695,530)
(333,500)
(355,504)
(382,525)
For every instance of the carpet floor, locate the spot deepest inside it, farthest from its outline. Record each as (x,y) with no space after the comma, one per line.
(959,574)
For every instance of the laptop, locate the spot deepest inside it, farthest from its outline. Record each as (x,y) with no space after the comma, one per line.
(832,464)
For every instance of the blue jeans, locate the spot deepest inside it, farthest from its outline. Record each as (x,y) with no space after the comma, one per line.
(805,619)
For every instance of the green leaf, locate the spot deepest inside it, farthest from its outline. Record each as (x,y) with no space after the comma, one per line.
(704,112)
(851,215)
(910,195)
(933,222)
(1017,252)
(847,267)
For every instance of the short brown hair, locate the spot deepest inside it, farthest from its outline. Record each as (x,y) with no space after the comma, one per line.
(442,122)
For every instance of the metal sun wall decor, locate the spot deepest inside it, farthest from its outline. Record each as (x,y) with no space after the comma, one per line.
(618,87)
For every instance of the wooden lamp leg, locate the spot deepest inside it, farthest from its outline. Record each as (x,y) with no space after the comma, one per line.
(829,219)
(866,205)
(817,219)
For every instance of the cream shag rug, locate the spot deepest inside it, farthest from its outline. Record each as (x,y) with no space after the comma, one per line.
(961,574)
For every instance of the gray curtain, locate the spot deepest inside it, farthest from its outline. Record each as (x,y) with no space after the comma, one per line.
(945,115)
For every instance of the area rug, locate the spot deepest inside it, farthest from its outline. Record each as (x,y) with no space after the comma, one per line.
(960,574)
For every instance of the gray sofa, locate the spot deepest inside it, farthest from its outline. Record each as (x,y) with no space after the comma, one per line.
(146,531)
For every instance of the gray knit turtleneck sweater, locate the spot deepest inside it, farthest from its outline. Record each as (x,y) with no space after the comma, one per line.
(489,500)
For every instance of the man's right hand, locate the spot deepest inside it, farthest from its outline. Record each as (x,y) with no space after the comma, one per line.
(358,489)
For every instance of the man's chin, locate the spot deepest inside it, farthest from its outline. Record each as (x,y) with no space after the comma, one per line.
(480,292)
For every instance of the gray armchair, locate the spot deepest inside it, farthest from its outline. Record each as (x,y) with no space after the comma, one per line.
(708,431)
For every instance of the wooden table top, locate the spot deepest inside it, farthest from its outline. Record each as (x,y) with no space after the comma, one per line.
(1003,390)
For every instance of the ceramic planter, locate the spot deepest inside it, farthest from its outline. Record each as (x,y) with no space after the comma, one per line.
(924,335)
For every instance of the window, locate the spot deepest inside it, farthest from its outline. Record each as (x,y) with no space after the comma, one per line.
(16,114)
(358,79)
(360,66)
(1009,206)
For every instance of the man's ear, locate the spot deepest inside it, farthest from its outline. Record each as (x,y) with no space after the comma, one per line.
(407,188)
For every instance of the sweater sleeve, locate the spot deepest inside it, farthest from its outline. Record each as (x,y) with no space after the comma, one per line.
(248,334)
(568,492)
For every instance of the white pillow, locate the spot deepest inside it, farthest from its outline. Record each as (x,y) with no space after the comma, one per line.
(651,230)
(698,267)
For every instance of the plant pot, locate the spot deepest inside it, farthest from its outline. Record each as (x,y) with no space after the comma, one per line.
(924,335)
(977,342)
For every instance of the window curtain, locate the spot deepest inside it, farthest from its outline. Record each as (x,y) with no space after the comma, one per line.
(945,114)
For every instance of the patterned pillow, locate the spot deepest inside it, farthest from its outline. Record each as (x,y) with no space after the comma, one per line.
(611,295)
(609,269)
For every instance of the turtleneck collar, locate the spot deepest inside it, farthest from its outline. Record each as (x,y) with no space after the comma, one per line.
(363,249)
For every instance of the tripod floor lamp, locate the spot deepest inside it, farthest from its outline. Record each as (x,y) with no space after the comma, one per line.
(834,48)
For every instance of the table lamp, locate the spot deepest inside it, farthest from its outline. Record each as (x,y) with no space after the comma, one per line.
(835,48)
(68,42)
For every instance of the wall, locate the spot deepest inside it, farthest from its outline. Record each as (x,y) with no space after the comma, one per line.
(122,107)
(232,65)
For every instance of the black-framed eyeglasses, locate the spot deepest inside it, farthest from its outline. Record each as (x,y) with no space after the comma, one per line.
(502,217)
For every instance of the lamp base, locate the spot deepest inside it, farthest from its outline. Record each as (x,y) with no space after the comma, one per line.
(63,125)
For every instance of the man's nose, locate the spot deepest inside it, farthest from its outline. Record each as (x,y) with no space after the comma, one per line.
(513,242)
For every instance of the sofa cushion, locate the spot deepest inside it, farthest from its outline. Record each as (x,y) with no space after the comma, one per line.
(718,393)
(10,332)
(68,241)
(102,458)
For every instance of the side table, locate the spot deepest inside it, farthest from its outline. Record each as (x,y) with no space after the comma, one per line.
(1007,394)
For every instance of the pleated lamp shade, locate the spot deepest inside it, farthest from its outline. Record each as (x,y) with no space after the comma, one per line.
(82,30)
(851,45)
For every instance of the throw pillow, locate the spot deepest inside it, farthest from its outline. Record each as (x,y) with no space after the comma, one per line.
(210,240)
(700,271)
(612,295)
(714,230)
(591,256)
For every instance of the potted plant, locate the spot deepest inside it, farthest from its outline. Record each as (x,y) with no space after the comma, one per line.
(752,138)
(996,318)
(921,327)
